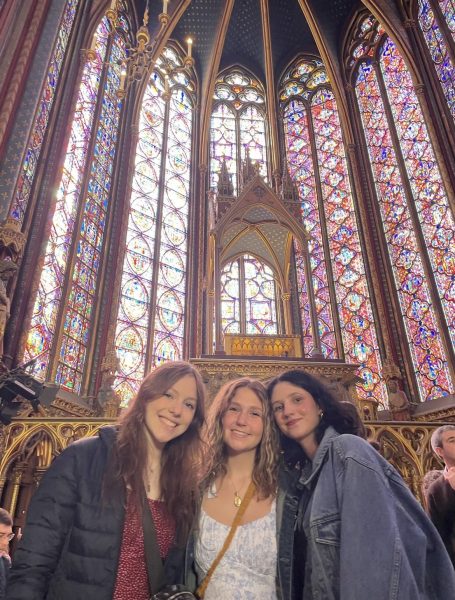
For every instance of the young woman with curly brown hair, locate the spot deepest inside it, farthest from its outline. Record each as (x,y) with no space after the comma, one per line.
(241,471)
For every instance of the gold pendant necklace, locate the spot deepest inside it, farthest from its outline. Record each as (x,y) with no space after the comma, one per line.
(237,498)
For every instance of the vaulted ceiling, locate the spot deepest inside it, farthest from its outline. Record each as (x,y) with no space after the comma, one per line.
(239,26)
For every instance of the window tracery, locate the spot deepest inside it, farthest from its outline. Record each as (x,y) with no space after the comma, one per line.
(317,162)
(248,297)
(431,17)
(237,125)
(65,302)
(28,169)
(417,221)
(150,322)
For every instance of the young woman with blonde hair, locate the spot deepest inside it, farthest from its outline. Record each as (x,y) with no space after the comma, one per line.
(241,476)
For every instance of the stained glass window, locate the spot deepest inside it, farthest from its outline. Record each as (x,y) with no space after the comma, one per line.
(237,126)
(248,297)
(301,168)
(252,137)
(150,323)
(414,207)
(223,143)
(448,10)
(317,163)
(430,23)
(66,296)
(28,168)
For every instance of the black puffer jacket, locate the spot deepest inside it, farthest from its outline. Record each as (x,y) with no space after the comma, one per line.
(71,542)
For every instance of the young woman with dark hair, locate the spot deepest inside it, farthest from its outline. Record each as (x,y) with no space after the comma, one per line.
(84,537)
(350,528)
(241,471)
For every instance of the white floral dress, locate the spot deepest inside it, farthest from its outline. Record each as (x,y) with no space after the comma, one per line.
(247,571)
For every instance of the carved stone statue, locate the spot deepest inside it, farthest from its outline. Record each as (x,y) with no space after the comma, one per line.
(108,399)
(400,407)
(7,270)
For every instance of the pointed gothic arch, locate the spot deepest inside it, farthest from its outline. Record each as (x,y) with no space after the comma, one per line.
(65,299)
(150,322)
(414,207)
(317,162)
(238,125)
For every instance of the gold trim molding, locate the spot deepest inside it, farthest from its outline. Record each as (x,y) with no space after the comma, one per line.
(17,439)
(406,445)
(218,371)
(278,346)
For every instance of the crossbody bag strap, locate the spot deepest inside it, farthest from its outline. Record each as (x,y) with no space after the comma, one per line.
(153,562)
(235,523)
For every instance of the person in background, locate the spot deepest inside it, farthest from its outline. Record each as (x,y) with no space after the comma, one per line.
(83,536)
(440,495)
(242,447)
(350,527)
(427,480)
(6,535)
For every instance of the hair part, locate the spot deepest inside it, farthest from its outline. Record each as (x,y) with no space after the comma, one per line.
(265,470)
(129,459)
(341,415)
(5,518)
(436,436)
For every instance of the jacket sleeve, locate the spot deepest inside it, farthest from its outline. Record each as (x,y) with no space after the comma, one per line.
(389,549)
(49,520)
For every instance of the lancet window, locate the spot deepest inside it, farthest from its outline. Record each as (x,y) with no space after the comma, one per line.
(151,317)
(65,303)
(248,297)
(28,168)
(237,126)
(317,163)
(417,221)
(437,23)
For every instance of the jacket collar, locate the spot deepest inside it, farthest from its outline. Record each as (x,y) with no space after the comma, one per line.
(311,470)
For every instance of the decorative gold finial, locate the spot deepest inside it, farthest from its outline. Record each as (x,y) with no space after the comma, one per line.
(163,17)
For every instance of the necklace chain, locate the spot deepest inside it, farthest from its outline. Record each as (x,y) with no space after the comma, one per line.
(150,478)
(237,498)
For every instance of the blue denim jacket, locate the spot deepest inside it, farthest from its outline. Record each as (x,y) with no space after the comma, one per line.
(368,537)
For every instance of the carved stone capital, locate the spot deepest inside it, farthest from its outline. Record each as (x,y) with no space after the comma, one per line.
(390,370)
(12,240)
(110,362)
(419,89)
